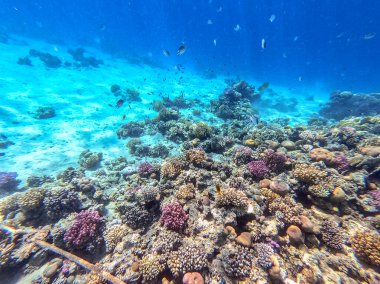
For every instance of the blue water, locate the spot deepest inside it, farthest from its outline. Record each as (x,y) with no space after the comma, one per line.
(309,43)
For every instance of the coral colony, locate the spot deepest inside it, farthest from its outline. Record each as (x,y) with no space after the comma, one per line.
(229,199)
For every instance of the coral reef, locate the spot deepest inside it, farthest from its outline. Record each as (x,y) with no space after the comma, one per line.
(8,181)
(44,113)
(345,104)
(88,159)
(366,245)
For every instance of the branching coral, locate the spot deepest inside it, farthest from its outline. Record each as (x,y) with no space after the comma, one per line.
(264,253)
(200,130)
(274,161)
(188,258)
(242,155)
(32,199)
(333,235)
(151,265)
(113,236)
(171,168)
(86,226)
(237,261)
(231,197)
(173,216)
(196,156)
(258,169)
(185,192)
(60,202)
(286,210)
(366,245)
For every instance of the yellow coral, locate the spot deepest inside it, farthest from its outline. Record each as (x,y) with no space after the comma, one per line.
(171,168)
(185,192)
(366,245)
(308,173)
(32,199)
(231,197)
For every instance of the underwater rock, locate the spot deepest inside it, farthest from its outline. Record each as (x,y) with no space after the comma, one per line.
(24,61)
(49,60)
(345,104)
(82,61)
(8,181)
(44,113)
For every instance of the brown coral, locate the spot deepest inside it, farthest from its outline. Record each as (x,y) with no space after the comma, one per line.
(308,173)
(113,236)
(185,192)
(196,156)
(171,168)
(32,199)
(231,197)
(366,245)
(286,210)
(150,266)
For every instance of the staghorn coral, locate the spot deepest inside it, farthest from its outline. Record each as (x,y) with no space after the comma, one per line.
(185,192)
(258,169)
(151,266)
(333,235)
(366,245)
(237,261)
(59,202)
(231,197)
(113,235)
(196,156)
(171,168)
(188,258)
(173,216)
(32,199)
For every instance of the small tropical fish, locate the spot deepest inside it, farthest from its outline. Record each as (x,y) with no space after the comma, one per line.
(123,117)
(214,42)
(209,22)
(237,28)
(272,18)
(254,119)
(263,43)
(120,103)
(263,86)
(181,49)
(166,52)
(369,36)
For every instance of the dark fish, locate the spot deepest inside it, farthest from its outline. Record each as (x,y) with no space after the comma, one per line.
(123,117)
(263,44)
(181,49)
(166,52)
(120,103)
(263,86)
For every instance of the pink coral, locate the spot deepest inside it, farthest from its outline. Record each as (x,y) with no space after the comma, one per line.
(145,168)
(173,216)
(257,168)
(341,163)
(84,228)
(274,161)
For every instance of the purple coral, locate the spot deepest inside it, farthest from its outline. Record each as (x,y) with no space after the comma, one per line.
(274,161)
(8,180)
(375,194)
(145,168)
(341,163)
(258,168)
(84,228)
(173,216)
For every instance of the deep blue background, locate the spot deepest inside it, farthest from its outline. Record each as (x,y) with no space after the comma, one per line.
(146,27)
